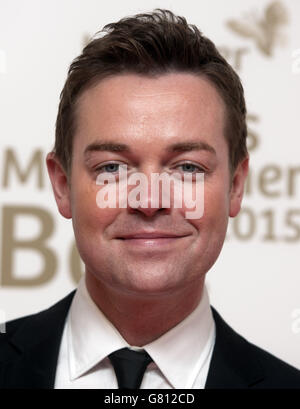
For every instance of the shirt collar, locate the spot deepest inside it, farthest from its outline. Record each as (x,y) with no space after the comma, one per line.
(179,353)
(182,351)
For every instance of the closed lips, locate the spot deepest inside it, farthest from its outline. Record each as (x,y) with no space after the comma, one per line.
(151,236)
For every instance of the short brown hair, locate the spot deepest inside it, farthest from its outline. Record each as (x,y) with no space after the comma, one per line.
(151,44)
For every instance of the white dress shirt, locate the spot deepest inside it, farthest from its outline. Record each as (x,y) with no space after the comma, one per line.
(181,356)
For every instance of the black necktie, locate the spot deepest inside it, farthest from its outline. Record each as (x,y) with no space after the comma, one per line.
(129,367)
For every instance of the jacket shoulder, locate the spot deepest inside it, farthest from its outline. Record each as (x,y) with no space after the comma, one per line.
(236,362)
(278,374)
(29,330)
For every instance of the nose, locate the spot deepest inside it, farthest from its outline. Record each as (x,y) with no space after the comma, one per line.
(146,197)
(149,211)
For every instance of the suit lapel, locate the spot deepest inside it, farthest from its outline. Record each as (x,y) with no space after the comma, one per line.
(32,352)
(30,356)
(234,364)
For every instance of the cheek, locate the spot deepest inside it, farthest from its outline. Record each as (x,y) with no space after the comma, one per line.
(215,208)
(87,215)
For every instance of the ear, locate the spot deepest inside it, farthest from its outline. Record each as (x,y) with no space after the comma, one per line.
(60,186)
(237,187)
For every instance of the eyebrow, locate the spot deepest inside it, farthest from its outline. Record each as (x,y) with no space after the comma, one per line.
(121,147)
(191,146)
(107,146)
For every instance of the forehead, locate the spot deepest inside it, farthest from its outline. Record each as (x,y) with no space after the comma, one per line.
(139,109)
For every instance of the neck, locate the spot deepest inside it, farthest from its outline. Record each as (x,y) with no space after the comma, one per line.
(141,319)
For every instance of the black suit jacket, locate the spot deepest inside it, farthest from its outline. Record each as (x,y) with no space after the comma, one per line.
(29,352)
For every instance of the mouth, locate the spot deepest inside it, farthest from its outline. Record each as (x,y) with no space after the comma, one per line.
(151,240)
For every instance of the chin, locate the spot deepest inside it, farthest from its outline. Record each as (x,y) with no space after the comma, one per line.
(150,283)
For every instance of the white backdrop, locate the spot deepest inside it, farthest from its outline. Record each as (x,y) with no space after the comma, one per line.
(255,283)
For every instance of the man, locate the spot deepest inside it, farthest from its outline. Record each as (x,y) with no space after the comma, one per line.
(151,96)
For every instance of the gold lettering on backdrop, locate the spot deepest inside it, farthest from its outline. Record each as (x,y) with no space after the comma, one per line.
(278,222)
(248,185)
(10,244)
(275,222)
(292,221)
(246,218)
(252,137)
(267,177)
(75,263)
(273,226)
(292,180)
(266,30)
(36,165)
(252,144)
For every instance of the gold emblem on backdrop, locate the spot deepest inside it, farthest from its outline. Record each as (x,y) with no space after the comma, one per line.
(275,222)
(264,30)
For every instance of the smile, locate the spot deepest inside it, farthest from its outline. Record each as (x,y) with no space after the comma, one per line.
(151,240)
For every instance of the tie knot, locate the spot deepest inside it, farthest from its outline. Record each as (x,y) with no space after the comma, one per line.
(129,367)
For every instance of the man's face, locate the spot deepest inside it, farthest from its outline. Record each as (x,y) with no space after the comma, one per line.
(150,115)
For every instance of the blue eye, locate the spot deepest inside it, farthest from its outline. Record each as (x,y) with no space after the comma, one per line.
(109,168)
(112,167)
(190,168)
